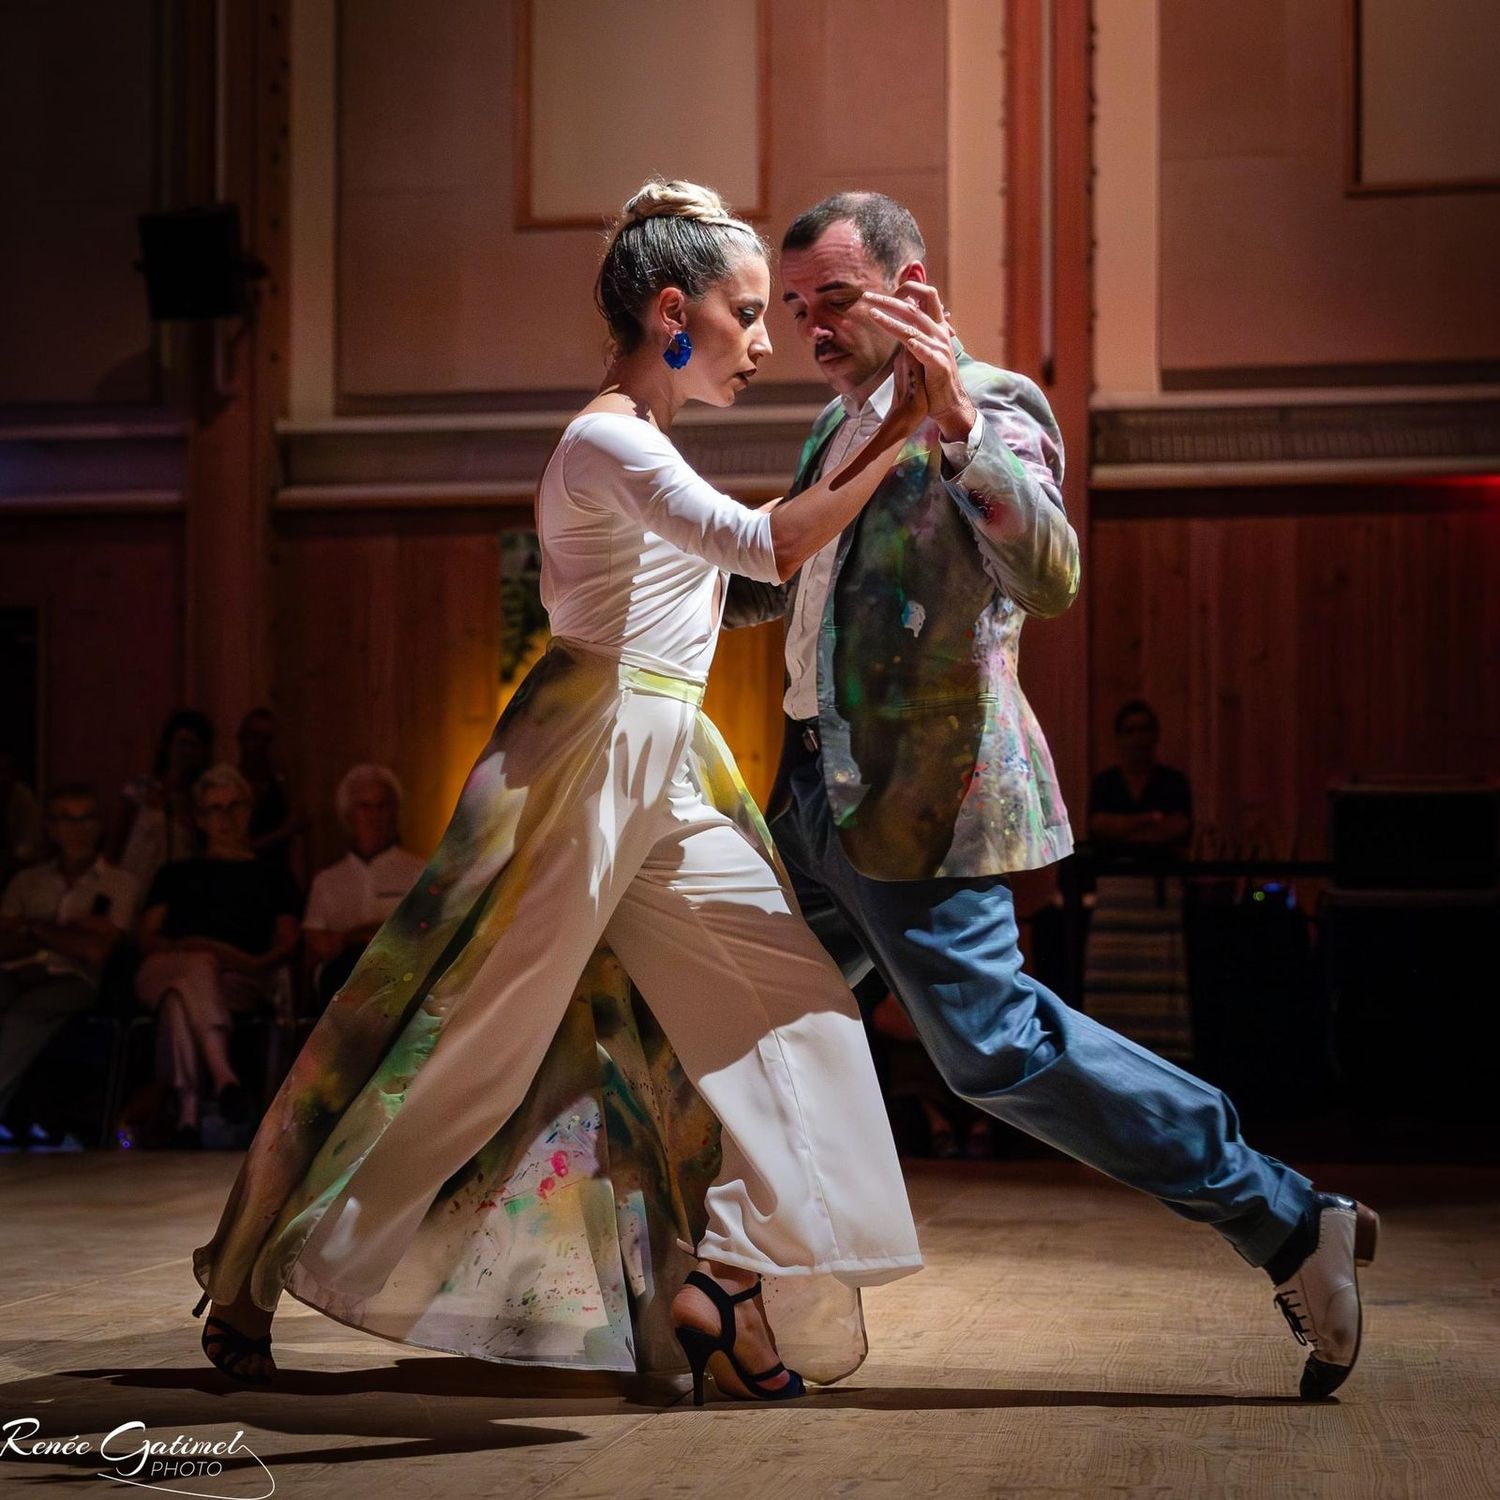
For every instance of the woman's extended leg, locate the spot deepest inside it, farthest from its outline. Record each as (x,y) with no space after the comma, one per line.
(766,1028)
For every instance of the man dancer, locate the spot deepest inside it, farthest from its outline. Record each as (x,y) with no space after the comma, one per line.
(914,775)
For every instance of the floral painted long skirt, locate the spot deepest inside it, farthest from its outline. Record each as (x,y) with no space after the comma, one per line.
(493,1143)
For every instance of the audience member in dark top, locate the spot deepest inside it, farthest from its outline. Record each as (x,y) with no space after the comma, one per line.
(59,922)
(1135,969)
(157,821)
(215,931)
(276,824)
(1139,807)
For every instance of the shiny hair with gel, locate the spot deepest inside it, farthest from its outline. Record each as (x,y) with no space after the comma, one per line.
(670,233)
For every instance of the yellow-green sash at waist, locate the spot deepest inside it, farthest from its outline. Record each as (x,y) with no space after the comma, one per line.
(641,679)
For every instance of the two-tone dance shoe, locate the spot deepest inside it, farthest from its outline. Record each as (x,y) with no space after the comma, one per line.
(703,1347)
(231,1348)
(1320,1298)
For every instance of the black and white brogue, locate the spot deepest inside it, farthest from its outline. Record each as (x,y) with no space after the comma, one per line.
(1320,1300)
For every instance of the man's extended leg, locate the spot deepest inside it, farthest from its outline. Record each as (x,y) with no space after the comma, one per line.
(1007,1044)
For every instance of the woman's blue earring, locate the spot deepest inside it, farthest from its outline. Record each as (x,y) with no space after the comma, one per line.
(679,351)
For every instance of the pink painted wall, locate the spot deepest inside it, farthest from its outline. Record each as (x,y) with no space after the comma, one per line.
(440,294)
(1265,260)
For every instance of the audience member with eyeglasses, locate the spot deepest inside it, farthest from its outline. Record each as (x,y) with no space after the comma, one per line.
(216,930)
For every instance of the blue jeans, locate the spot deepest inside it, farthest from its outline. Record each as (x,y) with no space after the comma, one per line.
(948,948)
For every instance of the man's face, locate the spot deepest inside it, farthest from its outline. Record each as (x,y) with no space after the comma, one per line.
(372,818)
(74,826)
(1136,739)
(821,285)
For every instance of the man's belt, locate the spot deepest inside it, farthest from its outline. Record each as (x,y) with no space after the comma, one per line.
(807,732)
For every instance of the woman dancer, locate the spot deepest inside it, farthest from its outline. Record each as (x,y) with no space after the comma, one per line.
(604,807)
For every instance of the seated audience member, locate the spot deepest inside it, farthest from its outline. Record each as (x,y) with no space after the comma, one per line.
(1138,806)
(1135,968)
(20,818)
(349,900)
(215,931)
(276,824)
(157,823)
(59,922)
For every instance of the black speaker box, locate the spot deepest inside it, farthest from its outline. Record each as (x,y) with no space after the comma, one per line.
(1416,1004)
(1415,836)
(194,263)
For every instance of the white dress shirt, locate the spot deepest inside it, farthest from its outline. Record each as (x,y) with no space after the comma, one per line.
(355,891)
(42,894)
(860,424)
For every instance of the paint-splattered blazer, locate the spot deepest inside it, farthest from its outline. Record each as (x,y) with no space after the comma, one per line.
(934,762)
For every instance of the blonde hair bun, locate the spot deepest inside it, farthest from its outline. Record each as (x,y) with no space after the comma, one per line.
(673,198)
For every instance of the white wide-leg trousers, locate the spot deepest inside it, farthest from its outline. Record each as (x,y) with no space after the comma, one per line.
(758,1014)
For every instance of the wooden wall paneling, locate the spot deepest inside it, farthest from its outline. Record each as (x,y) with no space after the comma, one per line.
(109,597)
(388,650)
(1117,577)
(1287,652)
(1201,660)
(1471,609)
(1255,676)
(1165,637)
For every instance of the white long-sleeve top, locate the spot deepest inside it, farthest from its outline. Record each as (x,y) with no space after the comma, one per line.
(634,545)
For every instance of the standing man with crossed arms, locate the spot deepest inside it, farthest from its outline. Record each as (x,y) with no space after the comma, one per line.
(915,776)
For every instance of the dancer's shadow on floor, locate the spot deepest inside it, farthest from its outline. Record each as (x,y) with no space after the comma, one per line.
(549,1391)
(471,1406)
(971,1398)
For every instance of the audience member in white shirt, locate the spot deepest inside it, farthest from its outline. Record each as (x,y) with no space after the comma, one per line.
(349,900)
(59,921)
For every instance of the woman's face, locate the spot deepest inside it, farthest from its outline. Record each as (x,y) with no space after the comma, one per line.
(728,329)
(224,817)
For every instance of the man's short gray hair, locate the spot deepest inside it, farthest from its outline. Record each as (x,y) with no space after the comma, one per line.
(366,771)
(886,228)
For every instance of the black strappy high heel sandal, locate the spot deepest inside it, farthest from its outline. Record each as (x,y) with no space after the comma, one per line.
(233,1346)
(700,1347)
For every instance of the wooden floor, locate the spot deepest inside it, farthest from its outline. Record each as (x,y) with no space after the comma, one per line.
(1068,1338)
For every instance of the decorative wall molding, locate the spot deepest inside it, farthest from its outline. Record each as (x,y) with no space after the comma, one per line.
(421,461)
(93,464)
(1264,440)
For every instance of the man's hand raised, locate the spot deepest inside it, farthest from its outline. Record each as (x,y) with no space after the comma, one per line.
(915,315)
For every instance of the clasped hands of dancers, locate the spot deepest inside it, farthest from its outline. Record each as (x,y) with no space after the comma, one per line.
(925,523)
